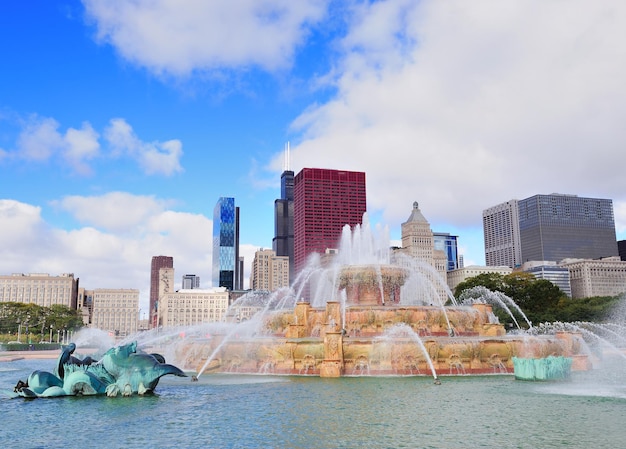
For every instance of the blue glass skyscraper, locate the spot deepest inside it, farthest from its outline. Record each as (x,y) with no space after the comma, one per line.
(226,272)
(447,243)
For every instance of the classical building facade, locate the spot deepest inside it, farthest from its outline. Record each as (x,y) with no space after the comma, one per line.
(455,277)
(324,202)
(192,307)
(40,288)
(115,310)
(599,277)
(269,271)
(418,243)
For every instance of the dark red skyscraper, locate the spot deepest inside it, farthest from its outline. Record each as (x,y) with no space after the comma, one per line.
(158,262)
(324,202)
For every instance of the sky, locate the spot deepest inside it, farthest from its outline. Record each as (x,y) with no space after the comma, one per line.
(122,123)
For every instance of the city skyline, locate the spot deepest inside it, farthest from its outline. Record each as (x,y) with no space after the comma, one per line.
(116,140)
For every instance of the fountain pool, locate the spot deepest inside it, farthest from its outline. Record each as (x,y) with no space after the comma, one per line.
(299,412)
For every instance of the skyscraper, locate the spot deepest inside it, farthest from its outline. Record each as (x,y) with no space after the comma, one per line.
(621,249)
(282,243)
(447,243)
(324,202)
(269,271)
(418,242)
(549,228)
(158,262)
(555,227)
(226,265)
(501,231)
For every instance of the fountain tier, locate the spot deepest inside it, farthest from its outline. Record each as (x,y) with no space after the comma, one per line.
(377,341)
(372,284)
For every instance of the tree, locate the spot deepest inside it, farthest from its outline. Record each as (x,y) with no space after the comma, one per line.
(34,319)
(596,308)
(539,299)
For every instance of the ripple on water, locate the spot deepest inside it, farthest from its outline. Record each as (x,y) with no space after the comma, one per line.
(293,412)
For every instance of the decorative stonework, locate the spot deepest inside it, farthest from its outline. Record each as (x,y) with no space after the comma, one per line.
(372,285)
(332,365)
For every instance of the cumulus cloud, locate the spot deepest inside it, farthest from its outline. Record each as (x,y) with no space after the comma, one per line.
(181,36)
(464,105)
(114,211)
(21,226)
(81,145)
(154,157)
(105,258)
(40,141)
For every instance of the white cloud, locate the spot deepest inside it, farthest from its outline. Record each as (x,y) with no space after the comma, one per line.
(81,145)
(113,211)
(109,258)
(181,36)
(162,157)
(154,157)
(22,230)
(39,139)
(463,105)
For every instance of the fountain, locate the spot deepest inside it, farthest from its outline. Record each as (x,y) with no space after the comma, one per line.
(354,315)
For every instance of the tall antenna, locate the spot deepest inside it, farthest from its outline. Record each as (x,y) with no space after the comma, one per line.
(286,161)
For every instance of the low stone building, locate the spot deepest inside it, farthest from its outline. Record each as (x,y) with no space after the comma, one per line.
(192,307)
(40,288)
(596,277)
(115,310)
(455,277)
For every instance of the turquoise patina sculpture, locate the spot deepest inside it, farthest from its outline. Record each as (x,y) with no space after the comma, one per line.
(546,368)
(121,370)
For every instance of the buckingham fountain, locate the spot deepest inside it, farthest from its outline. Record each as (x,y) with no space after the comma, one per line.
(368,312)
(363,311)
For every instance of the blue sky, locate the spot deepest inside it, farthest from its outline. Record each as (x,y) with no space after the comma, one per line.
(122,123)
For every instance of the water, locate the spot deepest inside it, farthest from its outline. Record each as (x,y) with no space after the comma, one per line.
(231,411)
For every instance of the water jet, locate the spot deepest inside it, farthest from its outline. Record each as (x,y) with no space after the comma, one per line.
(358,314)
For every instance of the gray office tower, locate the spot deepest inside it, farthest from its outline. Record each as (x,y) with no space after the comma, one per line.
(282,243)
(555,227)
(190,281)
